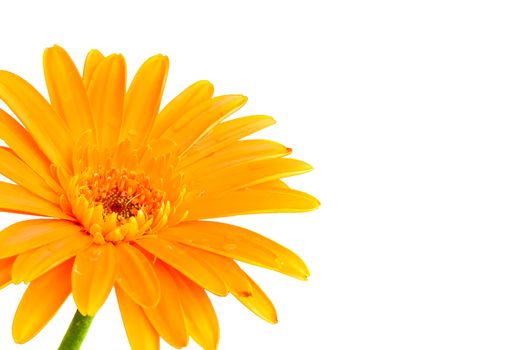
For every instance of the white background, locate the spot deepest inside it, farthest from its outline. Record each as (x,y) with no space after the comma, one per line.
(414,114)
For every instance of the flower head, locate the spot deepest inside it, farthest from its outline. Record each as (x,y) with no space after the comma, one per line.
(125,189)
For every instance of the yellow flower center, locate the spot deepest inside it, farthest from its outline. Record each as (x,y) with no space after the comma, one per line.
(116,205)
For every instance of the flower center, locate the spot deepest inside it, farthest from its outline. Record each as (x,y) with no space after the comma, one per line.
(116,205)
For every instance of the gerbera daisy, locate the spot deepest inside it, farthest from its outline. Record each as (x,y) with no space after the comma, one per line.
(125,190)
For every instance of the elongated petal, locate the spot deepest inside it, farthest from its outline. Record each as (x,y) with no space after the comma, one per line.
(5,271)
(192,96)
(250,201)
(199,313)
(178,257)
(167,316)
(228,132)
(26,235)
(136,276)
(248,174)
(140,332)
(66,90)
(41,301)
(259,303)
(93,59)
(143,99)
(238,243)
(49,130)
(232,275)
(238,153)
(200,120)
(21,142)
(15,169)
(106,93)
(93,277)
(32,264)
(16,199)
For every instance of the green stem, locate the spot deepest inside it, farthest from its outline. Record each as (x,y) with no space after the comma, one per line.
(76,332)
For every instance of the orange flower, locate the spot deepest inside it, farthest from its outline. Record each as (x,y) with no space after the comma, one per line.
(125,189)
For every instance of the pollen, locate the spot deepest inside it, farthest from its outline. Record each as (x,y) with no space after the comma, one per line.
(118,205)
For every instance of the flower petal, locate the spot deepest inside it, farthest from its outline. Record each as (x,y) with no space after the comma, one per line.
(140,332)
(66,90)
(199,313)
(259,303)
(200,120)
(232,275)
(41,301)
(177,256)
(143,99)
(16,199)
(26,235)
(136,276)
(32,264)
(250,201)
(192,96)
(226,133)
(15,169)
(93,277)
(21,142)
(106,93)
(167,316)
(238,243)
(49,130)
(238,153)
(93,59)
(248,174)
(5,271)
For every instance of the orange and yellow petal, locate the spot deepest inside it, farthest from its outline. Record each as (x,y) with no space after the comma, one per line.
(93,58)
(30,234)
(93,277)
(136,276)
(199,313)
(5,271)
(238,243)
(167,316)
(140,332)
(34,263)
(259,303)
(41,301)
(179,258)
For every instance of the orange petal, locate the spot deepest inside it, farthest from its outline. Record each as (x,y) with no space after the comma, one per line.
(143,99)
(178,257)
(66,90)
(41,301)
(47,128)
(136,276)
(250,202)
(16,199)
(93,59)
(238,153)
(21,142)
(106,93)
(141,335)
(93,277)
(34,263)
(15,169)
(249,174)
(5,271)
(167,316)
(192,96)
(200,120)
(232,275)
(228,132)
(259,303)
(271,185)
(26,235)
(238,243)
(199,313)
